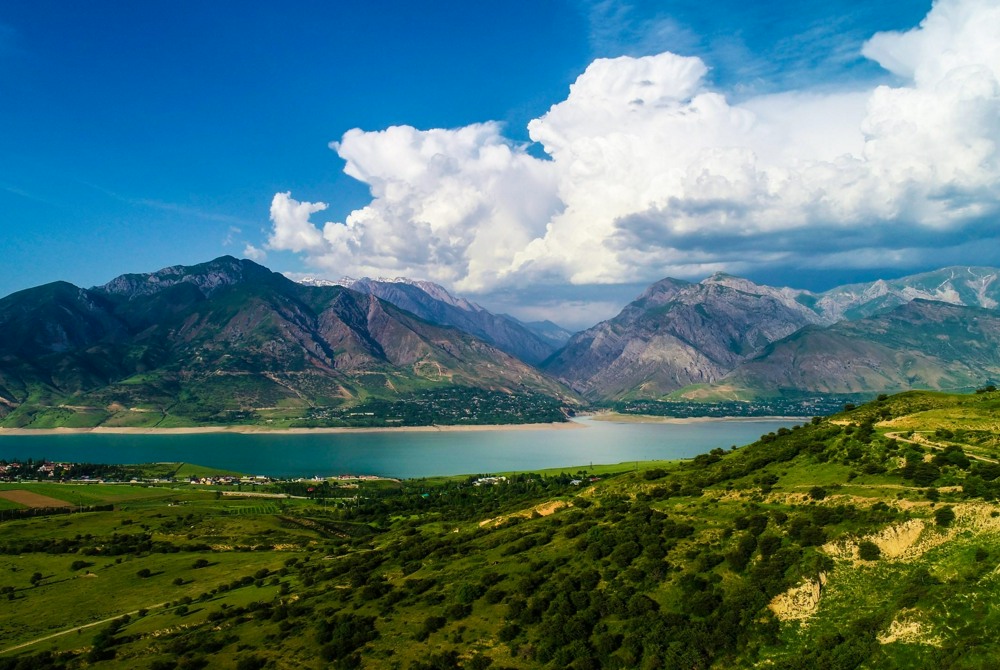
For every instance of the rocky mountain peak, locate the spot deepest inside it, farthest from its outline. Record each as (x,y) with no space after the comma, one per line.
(207,277)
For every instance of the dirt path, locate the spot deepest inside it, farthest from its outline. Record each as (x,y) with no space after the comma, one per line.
(73,630)
(924,442)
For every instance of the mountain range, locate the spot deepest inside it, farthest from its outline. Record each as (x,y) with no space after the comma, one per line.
(730,338)
(231,341)
(195,344)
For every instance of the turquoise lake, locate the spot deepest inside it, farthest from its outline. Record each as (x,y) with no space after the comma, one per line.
(402,454)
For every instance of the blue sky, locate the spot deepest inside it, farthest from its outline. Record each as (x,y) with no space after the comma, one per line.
(139,135)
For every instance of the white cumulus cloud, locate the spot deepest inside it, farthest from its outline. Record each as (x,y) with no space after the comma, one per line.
(253,253)
(650,172)
(293,231)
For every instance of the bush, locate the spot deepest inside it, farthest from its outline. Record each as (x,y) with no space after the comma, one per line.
(817,493)
(869,551)
(431,624)
(944,516)
(251,663)
(144,573)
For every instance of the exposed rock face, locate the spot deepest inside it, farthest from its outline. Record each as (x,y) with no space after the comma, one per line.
(969,286)
(921,344)
(799,602)
(678,334)
(931,330)
(207,277)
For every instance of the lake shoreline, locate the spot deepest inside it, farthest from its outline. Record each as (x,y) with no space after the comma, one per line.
(614,417)
(264,430)
(603,417)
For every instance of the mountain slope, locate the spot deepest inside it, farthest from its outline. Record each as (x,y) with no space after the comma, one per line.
(433,303)
(679,334)
(958,285)
(230,335)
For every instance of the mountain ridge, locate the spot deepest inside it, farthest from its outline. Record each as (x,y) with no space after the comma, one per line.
(143,338)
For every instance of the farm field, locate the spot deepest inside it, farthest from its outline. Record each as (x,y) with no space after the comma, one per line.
(25,498)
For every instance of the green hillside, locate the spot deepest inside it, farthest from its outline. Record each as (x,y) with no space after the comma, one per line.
(869,539)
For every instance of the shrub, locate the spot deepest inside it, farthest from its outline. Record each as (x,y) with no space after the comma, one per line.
(250,663)
(144,573)
(944,516)
(869,551)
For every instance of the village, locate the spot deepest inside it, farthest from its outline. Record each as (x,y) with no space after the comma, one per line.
(157,473)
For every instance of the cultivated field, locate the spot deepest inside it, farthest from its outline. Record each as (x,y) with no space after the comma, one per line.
(32,499)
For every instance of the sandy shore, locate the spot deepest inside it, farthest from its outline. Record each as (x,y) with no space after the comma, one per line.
(648,418)
(263,430)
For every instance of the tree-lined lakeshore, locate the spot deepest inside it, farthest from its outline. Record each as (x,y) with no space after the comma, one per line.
(268,430)
(866,539)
